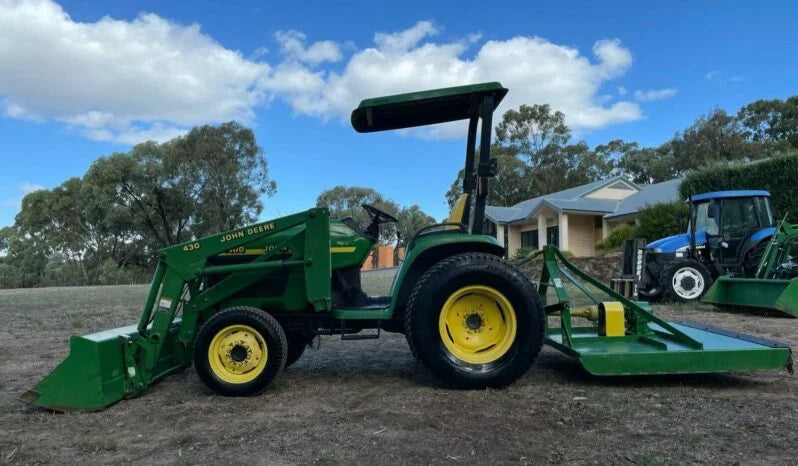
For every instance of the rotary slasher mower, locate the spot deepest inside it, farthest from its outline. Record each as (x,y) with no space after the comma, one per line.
(243,304)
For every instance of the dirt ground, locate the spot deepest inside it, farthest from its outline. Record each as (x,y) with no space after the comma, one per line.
(370,402)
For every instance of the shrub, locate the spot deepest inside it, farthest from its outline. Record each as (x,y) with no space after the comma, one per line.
(617,237)
(522,252)
(778,175)
(659,220)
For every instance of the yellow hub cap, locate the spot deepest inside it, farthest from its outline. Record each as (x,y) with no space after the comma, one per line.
(238,354)
(477,324)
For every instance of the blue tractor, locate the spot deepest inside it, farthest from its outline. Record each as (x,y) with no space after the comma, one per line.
(727,234)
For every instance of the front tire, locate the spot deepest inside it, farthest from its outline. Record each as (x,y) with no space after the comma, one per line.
(474,321)
(685,281)
(239,351)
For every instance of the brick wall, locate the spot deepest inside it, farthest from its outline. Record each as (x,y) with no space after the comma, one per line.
(581,235)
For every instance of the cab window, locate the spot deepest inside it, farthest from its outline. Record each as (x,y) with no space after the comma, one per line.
(764,212)
(739,216)
(702,220)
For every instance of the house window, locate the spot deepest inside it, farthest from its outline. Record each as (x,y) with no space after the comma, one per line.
(553,236)
(529,239)
(621,185)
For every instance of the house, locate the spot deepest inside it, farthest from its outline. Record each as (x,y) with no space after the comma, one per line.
(577,218)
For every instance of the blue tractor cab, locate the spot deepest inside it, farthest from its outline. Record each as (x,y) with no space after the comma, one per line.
(727,233)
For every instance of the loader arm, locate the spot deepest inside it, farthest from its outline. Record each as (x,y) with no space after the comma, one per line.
(105,367)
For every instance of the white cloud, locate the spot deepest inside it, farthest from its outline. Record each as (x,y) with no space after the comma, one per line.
(292,45)
(621,91)
(655,94)
(127,81)
(143,77)
(26,187)
(712,74)
(260,51)
(534,69)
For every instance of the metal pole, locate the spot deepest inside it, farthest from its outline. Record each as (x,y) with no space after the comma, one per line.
(483,169)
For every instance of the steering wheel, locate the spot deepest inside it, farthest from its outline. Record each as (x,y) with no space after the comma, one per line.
(378,215)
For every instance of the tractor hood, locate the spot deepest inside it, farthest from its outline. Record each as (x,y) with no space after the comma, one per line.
(676,242)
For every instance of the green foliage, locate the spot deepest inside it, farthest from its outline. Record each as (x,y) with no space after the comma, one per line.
(773,123)
(510,185)
(659,220)
(345,201)
(207,181)
(617,237)
(411,219)
(535,156)
(778,175)
(103,228)
(522,252)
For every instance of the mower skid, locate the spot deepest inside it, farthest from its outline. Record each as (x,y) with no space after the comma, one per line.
(659,353)
(94,375)
(779,296)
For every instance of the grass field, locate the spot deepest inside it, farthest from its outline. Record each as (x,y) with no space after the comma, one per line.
(370,402)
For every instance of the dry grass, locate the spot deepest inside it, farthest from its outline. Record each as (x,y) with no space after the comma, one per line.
(358,402)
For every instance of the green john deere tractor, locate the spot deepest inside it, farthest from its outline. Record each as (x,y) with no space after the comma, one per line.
(243,304)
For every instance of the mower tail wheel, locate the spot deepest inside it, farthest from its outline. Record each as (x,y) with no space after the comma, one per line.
(239,351)
(685,281)
(474,321)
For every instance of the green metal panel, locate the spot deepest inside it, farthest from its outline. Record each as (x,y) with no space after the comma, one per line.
(318,274)
(756,293)
(451,241)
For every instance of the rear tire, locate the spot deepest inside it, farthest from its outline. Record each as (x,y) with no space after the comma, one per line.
(753,257)
(474,321)
(685,281)
(239,351)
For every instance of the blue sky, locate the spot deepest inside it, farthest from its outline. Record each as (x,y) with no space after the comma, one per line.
(79,79)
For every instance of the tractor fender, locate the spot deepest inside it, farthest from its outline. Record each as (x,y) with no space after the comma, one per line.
(753,241)
(426,252)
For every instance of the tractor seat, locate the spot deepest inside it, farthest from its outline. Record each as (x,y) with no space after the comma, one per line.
(458,220)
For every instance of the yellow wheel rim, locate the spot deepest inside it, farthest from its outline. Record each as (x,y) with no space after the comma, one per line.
(238,354)
(477,324)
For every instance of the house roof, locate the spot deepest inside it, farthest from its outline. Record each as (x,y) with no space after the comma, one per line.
(576,200)
(659,192)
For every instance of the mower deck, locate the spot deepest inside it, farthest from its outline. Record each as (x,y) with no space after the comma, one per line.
(661,353)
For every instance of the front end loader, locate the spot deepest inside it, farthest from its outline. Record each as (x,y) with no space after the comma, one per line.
(243,304)
(773,287)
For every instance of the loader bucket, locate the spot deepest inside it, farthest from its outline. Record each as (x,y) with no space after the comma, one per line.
(780,296)
(95,375)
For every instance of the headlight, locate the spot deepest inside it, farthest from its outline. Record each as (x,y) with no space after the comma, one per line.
(683,248)
(656,250)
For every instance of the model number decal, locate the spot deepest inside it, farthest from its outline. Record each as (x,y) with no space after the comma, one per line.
(191,247)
